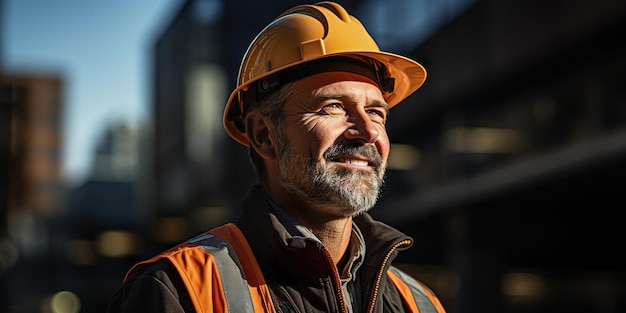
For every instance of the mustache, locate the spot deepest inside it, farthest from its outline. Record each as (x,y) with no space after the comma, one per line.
(368,151)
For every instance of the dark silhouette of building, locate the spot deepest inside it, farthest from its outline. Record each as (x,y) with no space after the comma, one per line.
(102,228)
(521,137)
(31,184)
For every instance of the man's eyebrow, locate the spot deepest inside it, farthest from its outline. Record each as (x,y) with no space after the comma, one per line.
(340,96)
(328,95)
(380,104)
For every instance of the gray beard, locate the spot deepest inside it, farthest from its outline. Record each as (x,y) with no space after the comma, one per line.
(345,192)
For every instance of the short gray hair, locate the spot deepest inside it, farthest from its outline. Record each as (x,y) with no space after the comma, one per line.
(271,106)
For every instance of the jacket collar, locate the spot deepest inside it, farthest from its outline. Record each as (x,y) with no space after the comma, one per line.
(280,243)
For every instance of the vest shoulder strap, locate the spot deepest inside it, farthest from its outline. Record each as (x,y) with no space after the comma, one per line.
(259,291)
(219,271)
(418,297)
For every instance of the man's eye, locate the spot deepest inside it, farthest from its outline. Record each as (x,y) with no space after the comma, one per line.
(333,108)
(375,112)
(378,113)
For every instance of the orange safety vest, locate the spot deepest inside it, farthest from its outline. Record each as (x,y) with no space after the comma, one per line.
(221,274)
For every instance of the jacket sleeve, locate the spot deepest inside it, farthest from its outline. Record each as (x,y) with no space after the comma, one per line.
(156,289)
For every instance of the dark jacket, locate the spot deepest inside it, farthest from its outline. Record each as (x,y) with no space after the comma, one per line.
(298,270)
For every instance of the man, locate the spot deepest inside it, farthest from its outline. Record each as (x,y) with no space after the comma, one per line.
(313,95)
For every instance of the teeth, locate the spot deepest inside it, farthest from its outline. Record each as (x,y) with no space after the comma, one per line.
(353,161)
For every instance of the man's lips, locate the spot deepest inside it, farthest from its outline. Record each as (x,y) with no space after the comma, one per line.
(354,156)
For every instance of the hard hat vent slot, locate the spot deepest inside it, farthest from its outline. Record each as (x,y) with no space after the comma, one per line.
(337,9)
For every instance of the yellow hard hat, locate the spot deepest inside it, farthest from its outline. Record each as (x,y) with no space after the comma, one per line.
(324,33)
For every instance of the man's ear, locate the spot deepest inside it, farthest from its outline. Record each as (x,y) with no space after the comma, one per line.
(260,132)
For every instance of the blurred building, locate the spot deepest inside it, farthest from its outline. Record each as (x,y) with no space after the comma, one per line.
(518,147)
(108,196)
(31,149)
(506,166)
(101,233)
(31,107)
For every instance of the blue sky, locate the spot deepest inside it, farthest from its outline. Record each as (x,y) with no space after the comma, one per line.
(102,50)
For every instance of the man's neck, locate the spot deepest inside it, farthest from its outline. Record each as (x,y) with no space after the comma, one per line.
(333,232)
(335,235)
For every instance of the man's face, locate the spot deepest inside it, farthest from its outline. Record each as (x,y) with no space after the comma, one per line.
(333,145)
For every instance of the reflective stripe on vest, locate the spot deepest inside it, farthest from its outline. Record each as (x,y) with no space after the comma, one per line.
(236,294)
(261,298)
(417,296)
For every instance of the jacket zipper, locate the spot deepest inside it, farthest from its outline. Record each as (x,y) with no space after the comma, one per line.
(336,282)
(381,270)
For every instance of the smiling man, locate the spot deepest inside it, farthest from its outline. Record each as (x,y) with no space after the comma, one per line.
(314,92)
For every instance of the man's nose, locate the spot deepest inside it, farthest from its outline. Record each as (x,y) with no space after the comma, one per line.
(362,128)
